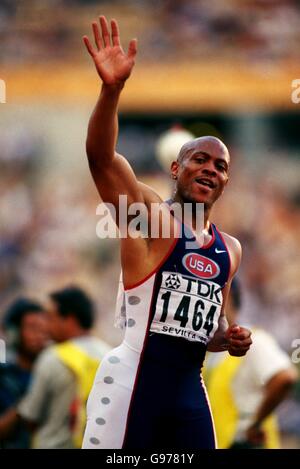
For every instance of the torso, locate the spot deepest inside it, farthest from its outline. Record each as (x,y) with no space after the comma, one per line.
(148,390)
(140,256)
(184,293)
(170,318)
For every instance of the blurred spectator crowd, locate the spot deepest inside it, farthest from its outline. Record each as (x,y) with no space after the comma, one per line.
(244,30)
(47,227)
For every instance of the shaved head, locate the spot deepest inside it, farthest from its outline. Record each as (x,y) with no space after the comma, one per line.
(201,170)
(202,144)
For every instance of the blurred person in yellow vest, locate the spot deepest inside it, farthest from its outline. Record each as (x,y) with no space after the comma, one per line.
(245,391)
(54,406)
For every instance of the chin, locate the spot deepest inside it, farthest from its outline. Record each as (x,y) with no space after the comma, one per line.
(201,199)
(197,198)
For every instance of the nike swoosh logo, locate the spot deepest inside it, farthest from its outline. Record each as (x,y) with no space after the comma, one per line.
(218,251)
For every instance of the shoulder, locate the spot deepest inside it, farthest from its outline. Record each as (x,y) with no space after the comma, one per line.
(102,346)
(265,348)
(265,356)
(46,360)
(49,365)
(264,341)
(235,251)
(232,243)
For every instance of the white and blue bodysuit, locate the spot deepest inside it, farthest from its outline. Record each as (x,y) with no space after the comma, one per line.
(148,392)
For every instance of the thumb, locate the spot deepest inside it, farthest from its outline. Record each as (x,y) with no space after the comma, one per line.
(132,49)
(233,329)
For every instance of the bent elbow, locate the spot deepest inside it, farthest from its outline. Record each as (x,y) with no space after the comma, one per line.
(287,378)
(292,376)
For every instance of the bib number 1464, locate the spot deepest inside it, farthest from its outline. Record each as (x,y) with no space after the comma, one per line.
(182,313)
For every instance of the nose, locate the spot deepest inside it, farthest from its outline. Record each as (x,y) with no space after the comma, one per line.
(209,169)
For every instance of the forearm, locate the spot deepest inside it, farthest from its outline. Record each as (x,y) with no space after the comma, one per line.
(219,342)
(103,126)
(275,392)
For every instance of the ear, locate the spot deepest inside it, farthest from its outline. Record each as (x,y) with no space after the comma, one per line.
(174,169)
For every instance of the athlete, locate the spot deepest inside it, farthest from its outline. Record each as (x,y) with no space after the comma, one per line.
(147,392)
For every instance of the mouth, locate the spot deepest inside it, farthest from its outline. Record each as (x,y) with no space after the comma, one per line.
(208,183)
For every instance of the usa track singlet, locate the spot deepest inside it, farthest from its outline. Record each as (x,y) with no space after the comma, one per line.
(148,392)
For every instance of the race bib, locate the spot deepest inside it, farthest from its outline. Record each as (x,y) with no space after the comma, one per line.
(187,307)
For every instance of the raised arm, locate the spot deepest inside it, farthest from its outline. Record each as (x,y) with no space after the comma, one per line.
(111,172)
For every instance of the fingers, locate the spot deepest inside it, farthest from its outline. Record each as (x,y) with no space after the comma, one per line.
(238,348)
(97,35)
(240,343)
(89,46)
(105,35)
(243,335)
(115,35)
(105,31)
(237,332)
(237,352)
(132,49)
(233,329)
(239,339)
(108,39)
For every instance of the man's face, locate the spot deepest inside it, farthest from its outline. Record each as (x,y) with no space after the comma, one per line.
(57,324)
(203,172)
(34,333)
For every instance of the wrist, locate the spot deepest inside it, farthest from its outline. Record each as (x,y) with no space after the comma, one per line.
(256,424)
(113,88)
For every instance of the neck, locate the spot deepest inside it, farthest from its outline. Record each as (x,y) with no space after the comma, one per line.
(78,333)
(193,219)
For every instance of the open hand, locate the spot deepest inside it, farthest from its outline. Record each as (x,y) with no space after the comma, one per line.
(112,63)
(239,339)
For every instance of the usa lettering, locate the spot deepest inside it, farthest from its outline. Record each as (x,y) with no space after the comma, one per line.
(199,265)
